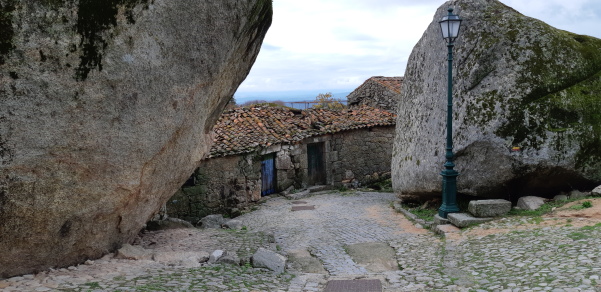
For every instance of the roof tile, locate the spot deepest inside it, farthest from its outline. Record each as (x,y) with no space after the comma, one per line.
(247,129)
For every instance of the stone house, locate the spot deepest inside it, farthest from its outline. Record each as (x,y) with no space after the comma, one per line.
(260,150)
(379,92)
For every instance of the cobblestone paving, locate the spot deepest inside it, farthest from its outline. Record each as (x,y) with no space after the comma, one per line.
(547,258)
(325,230)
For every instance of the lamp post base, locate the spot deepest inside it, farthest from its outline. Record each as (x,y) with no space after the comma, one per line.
(444,211)
(449,193)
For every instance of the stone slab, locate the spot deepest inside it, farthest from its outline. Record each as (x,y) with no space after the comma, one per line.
(576,194)
(133,252)
(596,191)
(361,285)
(462,220)
(561,198)
(298,195)
(319,188)
(299,208)
(169,223)
(439,220)
(530,202)
(402,210)
(230,258)
(233,224)
(264,258)
(376,257)
(303,261)
(215,255)
(489,208)
(445,229)
(212,221)
(190,259)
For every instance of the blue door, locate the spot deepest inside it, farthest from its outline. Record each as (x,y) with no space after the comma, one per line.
(268,178)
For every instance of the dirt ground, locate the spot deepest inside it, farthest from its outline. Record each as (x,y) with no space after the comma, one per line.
(561,216)
(566,211)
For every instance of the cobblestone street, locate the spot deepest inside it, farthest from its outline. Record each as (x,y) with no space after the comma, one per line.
(511,254)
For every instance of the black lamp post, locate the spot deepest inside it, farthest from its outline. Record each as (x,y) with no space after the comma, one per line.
(449,25)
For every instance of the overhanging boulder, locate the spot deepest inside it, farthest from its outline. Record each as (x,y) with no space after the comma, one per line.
(105,110)
(527,99)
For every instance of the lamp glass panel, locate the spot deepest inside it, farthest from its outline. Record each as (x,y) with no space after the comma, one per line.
(444,26)
(454,28)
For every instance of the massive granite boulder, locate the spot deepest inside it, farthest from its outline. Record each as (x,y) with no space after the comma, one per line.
(105,110)
(527,107)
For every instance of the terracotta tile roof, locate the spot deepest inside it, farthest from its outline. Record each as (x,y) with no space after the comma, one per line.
(393,83)
(247,129)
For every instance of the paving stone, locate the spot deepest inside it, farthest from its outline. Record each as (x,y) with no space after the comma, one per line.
(540,254)
(366,285)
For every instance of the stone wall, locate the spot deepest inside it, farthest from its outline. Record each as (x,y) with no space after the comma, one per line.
(219,185)
(362,155)
(229,184)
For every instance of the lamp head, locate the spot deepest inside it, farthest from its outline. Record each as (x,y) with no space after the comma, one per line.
(449,26)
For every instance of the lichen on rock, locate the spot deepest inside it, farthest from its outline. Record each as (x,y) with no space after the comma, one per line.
(105,110)
(527,100)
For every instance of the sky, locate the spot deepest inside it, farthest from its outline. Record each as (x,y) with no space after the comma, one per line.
(319,46)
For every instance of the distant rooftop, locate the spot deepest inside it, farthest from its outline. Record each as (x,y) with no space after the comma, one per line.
(393,83)
(246,129)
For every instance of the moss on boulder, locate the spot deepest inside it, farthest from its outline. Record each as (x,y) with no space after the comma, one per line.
(527,107)
(106,108)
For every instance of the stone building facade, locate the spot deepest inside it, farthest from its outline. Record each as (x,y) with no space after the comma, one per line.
(379,92)
(323,147)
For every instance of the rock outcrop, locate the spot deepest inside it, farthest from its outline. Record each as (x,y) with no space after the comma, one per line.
(105,110)
(527,99)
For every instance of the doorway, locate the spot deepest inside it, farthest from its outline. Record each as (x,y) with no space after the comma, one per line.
(316,168)
(268,175)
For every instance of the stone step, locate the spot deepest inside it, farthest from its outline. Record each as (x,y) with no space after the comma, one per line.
(319,188)
(489,208)
(298,195)
(462,220)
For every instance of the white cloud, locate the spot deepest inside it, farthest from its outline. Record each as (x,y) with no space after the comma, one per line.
(329,45)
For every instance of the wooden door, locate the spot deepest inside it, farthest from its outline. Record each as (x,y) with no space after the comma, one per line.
(268,175)
(316,167)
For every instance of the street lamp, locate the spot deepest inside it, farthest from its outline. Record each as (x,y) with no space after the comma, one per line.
(449,26)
